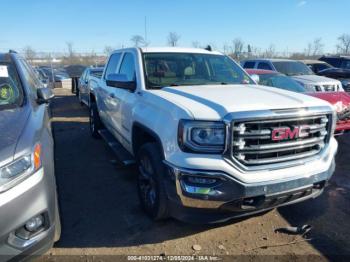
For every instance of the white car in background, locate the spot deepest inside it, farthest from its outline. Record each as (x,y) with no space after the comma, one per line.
(298,71)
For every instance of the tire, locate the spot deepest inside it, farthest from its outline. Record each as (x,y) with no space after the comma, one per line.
(94,121)
(150,182)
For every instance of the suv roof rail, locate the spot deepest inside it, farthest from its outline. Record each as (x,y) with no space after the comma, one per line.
(12,51)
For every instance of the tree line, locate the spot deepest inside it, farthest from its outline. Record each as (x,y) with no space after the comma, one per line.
(237,49)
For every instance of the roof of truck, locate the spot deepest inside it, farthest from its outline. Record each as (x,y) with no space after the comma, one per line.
(178,50)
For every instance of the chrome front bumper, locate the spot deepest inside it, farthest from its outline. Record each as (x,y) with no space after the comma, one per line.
(229,194)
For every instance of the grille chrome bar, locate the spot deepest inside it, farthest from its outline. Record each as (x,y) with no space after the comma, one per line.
(283,146)
(253,143)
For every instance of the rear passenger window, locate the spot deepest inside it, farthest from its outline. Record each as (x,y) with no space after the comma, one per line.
(128,67)
(264,66)
(113,64)
(249,64)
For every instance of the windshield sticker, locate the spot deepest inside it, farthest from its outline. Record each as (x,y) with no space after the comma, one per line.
(3,71)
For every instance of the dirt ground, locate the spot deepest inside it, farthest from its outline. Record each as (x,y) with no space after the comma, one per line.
(101,215)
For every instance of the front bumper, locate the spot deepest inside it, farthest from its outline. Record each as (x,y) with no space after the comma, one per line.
(230,198)
(32,197)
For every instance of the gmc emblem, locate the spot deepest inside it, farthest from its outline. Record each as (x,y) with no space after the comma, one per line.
(284,133)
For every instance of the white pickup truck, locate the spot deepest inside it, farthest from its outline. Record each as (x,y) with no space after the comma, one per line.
(210,143)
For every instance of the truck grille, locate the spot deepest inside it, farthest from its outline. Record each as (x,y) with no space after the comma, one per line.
(254,144)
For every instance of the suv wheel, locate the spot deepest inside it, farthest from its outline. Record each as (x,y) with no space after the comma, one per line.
(95,121)
(150,182)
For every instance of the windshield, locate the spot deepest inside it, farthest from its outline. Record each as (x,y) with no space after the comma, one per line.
(175,69)
(11,94)
(292,68)
(281,81)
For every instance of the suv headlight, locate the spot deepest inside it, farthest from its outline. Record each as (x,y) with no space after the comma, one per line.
(202,136)
(19,169)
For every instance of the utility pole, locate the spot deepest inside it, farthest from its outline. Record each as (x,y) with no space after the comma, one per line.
(146,41)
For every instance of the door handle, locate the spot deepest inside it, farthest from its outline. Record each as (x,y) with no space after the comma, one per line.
(112,95)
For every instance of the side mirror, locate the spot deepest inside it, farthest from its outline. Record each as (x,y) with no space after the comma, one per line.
(120,81)
(44,95)
(256,78)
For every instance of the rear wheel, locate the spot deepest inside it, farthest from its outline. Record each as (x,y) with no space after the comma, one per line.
(95,121)
(150,182)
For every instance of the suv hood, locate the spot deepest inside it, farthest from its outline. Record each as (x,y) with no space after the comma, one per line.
(12,123)
(314,79)
(214,102)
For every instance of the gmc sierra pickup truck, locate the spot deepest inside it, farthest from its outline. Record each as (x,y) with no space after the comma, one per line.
(209,142)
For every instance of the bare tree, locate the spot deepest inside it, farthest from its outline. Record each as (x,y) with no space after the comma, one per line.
(137,40)
(70,50)
(238,46)
(29,53)
(196,44)
(173,38)
(343,45)
(315,48)
(270,51)
(107,50)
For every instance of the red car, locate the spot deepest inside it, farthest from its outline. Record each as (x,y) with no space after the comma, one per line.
(340,100)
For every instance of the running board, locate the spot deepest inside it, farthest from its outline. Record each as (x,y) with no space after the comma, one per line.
(123,156)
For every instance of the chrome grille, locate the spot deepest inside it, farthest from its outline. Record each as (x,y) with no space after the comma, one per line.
(253,145)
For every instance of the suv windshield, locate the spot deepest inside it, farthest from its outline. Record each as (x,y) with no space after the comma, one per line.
(175,69)
(292,68)
(11,94)
(281,81)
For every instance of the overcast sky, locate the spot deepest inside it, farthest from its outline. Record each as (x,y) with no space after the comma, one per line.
(91,25)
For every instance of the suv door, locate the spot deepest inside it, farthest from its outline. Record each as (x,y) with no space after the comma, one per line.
(120,110)
(83,85)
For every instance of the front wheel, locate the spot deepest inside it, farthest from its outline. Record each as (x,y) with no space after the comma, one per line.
(95,121)
(150,182)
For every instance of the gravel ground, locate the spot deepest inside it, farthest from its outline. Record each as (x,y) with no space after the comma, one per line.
(101,217)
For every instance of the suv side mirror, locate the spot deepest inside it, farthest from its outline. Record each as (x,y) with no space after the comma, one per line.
(44,95)
(256,78)
(120,81)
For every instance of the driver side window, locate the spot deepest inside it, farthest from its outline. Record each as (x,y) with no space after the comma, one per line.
(128,67)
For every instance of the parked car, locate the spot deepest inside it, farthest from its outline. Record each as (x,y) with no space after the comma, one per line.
(44,79)
(298,71)
(84,88)
(317,66)
(340,100)
(74,72)
(338,70)
(337,61)
(29,217)
(210,144)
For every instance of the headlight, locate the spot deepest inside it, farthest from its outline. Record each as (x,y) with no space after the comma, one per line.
(345,82)
(202,136)
(16,171)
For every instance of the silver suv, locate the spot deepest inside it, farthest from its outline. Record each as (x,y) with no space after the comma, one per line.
(29,217)
(298,71)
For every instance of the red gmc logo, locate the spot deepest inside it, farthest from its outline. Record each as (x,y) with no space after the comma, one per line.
(284,133)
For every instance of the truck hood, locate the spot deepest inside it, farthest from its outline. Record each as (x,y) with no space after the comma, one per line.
(214,102)
(333,97)
(12,123)
(335,73)
(314,79)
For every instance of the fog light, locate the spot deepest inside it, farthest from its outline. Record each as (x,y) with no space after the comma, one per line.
(34,223)
(201,180)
